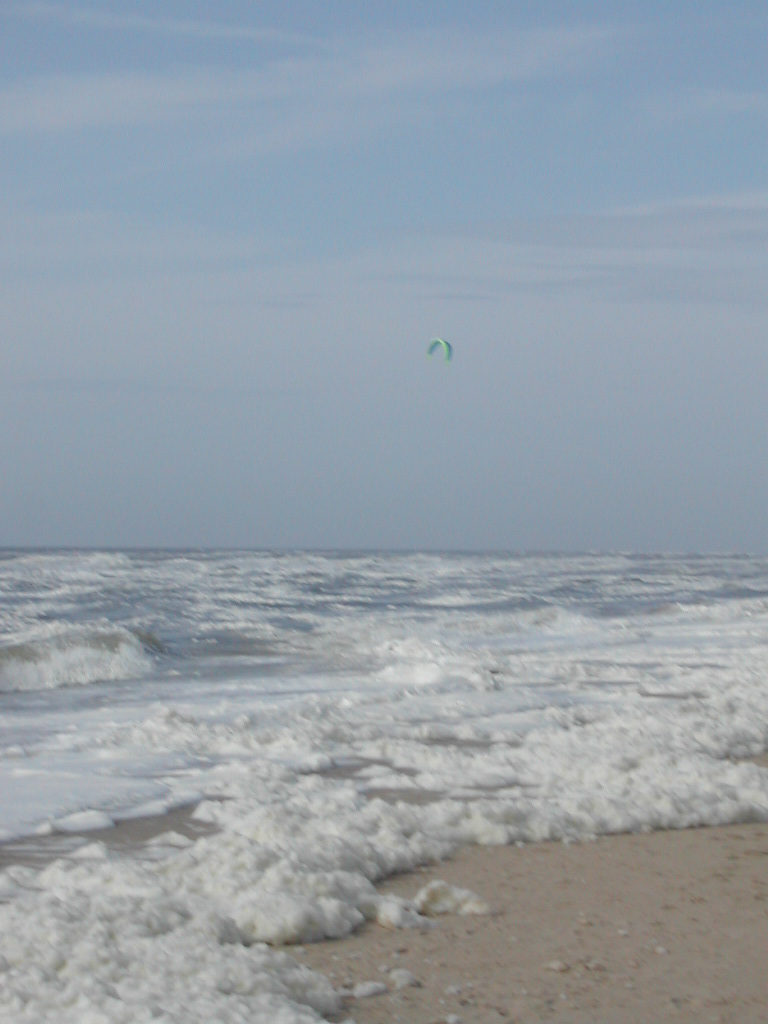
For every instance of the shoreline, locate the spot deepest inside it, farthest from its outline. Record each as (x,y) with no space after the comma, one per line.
(665,926)
(662,926)
(130,834)
(668,926)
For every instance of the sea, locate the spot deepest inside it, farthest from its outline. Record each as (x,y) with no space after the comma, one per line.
(297,726)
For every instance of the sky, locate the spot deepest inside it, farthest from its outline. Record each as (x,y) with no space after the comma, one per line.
(229,232)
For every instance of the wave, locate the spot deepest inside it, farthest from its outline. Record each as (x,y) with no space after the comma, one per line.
(75,658)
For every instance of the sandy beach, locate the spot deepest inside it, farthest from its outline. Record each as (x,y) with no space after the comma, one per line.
(668,926)
(664,926)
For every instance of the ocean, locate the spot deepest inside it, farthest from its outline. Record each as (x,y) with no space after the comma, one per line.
(317,721)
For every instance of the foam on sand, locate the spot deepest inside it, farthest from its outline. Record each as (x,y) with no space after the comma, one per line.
(666,926)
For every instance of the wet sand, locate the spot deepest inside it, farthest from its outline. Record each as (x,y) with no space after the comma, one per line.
(127,836)
(668,926)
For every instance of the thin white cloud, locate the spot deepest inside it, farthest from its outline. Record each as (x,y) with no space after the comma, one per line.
(66,103)
(708,104)
(336,89)
(446,61)
(689,222)
(34,241)
(708,250)
(755,200)
(91,18)
(712,248)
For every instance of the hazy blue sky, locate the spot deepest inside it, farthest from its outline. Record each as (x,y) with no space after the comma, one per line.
(229,231)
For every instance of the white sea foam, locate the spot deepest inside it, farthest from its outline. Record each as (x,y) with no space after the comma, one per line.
(339,720)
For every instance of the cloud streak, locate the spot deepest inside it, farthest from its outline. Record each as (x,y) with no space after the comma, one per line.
(90,18)
(352,76)
(103,242)
(691,105)
(709,250)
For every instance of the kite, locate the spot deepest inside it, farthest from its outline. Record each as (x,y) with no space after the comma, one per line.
(439,343)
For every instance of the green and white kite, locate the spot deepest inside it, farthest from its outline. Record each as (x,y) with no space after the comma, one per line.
(437,343)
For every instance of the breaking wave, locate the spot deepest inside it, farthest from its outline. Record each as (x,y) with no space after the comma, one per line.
(75,658)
